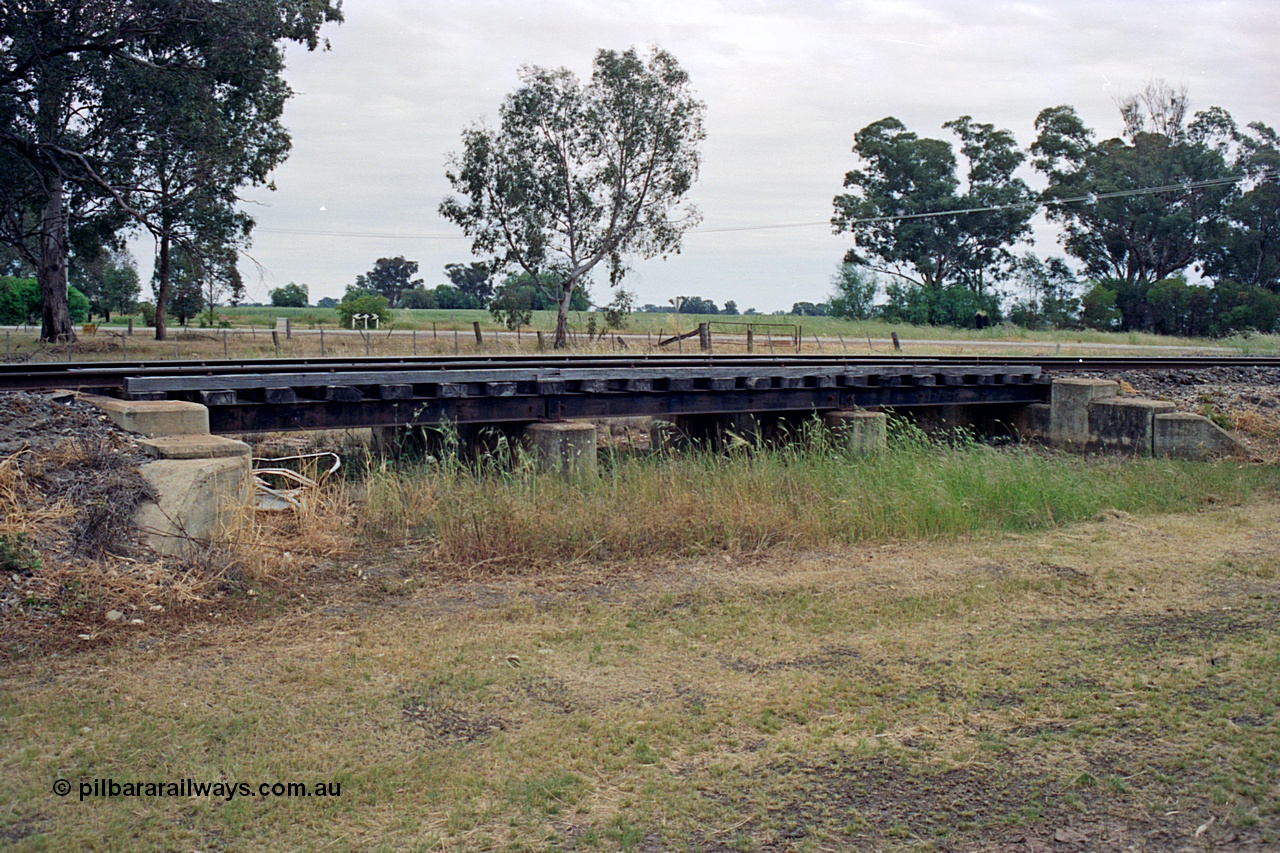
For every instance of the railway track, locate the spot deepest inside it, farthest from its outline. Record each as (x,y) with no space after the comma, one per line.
(112,377)
(303,394)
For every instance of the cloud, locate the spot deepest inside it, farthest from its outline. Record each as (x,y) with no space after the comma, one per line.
(786,85)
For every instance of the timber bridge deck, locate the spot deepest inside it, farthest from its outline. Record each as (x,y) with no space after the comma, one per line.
(305,394)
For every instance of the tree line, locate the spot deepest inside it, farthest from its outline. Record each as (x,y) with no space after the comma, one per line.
(147,114)
(1174,193)
(153,115)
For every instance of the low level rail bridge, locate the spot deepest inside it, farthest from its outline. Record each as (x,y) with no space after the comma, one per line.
(305,394)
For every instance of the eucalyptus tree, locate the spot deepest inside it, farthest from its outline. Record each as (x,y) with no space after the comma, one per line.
(1143,206)
(578,174)
(1248,250)
(87,86)
(912,216)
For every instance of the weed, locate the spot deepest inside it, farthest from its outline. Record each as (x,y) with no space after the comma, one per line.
(17,554)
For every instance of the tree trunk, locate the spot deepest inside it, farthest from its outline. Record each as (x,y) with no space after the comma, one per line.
(55,317)
(163,267)
(562,318)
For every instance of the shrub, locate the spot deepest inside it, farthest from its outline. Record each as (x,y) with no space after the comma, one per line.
(368,303)
(19,301)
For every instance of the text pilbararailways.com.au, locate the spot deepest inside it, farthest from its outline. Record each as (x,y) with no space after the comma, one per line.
(91,788)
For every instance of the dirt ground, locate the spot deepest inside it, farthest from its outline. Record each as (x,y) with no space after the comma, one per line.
(1112,685)
(1107,686)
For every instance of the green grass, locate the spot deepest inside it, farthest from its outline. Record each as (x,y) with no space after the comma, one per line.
(867,698)
(755,498)
(854,333)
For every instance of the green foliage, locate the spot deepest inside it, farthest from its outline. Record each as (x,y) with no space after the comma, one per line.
(1098,307)
(148,312)
(902,174)
(390,277)
(327,302)
(442,297)
(475,280)
(77,305)
(730,308)
(367,303)
(576,175)
(185,294)
(109,279)
(1048,294)
(855,292)
(1139,237)
(291,296)
(540,294)
(619,309)
(19,301)
(17,554)
(512,305)
(809,309)
(694,305)
(951,306)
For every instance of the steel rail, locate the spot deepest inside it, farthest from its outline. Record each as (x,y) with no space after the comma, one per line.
(112,375)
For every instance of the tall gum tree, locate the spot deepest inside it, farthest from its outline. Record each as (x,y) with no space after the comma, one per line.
(578,175)
(63,61)
(1143,206)
(913,218)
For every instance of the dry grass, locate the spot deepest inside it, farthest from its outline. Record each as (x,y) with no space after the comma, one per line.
(110,343)
(1112,682)
(753,499)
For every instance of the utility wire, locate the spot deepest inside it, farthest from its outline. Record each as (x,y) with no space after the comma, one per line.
(1089,198)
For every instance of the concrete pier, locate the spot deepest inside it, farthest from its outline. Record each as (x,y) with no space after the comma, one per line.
(203,483)
(864,433)
(1090,415)
(566,447)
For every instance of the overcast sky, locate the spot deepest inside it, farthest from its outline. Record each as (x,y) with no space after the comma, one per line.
(786,85)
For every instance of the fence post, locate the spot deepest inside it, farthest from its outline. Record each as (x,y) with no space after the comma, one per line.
(415,341)
(275,341)
(225,353)
(479,338)
(751,341)
(322,343)
(704,337)
(131,325)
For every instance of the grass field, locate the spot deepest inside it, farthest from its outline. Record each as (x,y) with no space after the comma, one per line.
(449,332)
(948,647)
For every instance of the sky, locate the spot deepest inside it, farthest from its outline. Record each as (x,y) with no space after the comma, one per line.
(786,85)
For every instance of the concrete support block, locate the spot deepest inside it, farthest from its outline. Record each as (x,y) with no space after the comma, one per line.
(192,447)
(568,447)
(1031,422)
(1189,436)
(198,499)
(1069,409)
(864,433)
(154,417)
(1124,424)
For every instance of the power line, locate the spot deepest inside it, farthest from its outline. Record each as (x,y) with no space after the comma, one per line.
(1089,198)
